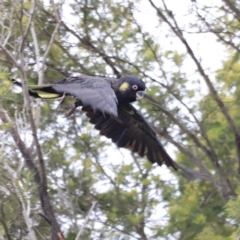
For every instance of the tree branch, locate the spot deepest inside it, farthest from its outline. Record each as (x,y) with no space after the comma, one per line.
(225,181)
(43,194)
(233,7)
(175,28)
(78,237)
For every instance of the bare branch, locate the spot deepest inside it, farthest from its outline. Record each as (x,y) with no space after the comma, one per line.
(9,55)
(43,194)
(30,21)
(4,223)
(57,17)
(212,157)
(86,42)
(233,7)
(41,60)
(78,237)
(175,28)
(25,207)
(213,91)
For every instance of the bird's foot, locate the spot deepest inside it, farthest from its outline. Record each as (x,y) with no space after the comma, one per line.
(70,112)
(62,99)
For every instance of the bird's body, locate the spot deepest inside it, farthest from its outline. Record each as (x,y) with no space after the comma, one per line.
(107,103)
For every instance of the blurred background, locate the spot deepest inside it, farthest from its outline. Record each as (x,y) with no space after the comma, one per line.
(187,53)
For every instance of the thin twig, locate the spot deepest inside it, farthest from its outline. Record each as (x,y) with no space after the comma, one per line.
(25,206)
(78,237)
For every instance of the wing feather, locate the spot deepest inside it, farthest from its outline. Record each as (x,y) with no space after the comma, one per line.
(99,97)
(130,130)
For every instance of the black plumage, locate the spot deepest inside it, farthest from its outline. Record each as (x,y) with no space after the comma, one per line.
(107,103)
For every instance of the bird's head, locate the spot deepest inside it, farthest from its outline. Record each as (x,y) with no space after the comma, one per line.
(130,89)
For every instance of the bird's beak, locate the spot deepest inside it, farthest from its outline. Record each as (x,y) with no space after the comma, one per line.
(139,95)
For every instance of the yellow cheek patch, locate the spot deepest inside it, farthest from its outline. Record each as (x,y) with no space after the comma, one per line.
(124,86)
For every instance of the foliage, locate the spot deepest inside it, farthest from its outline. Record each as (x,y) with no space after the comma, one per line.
(194,111)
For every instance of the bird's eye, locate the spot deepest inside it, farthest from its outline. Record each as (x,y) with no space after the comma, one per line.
(135,87)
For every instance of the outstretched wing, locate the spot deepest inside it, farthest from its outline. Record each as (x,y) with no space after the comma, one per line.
(100,97)
(92,91)
(130,130)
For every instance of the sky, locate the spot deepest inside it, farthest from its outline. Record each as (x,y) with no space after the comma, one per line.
(204,45)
